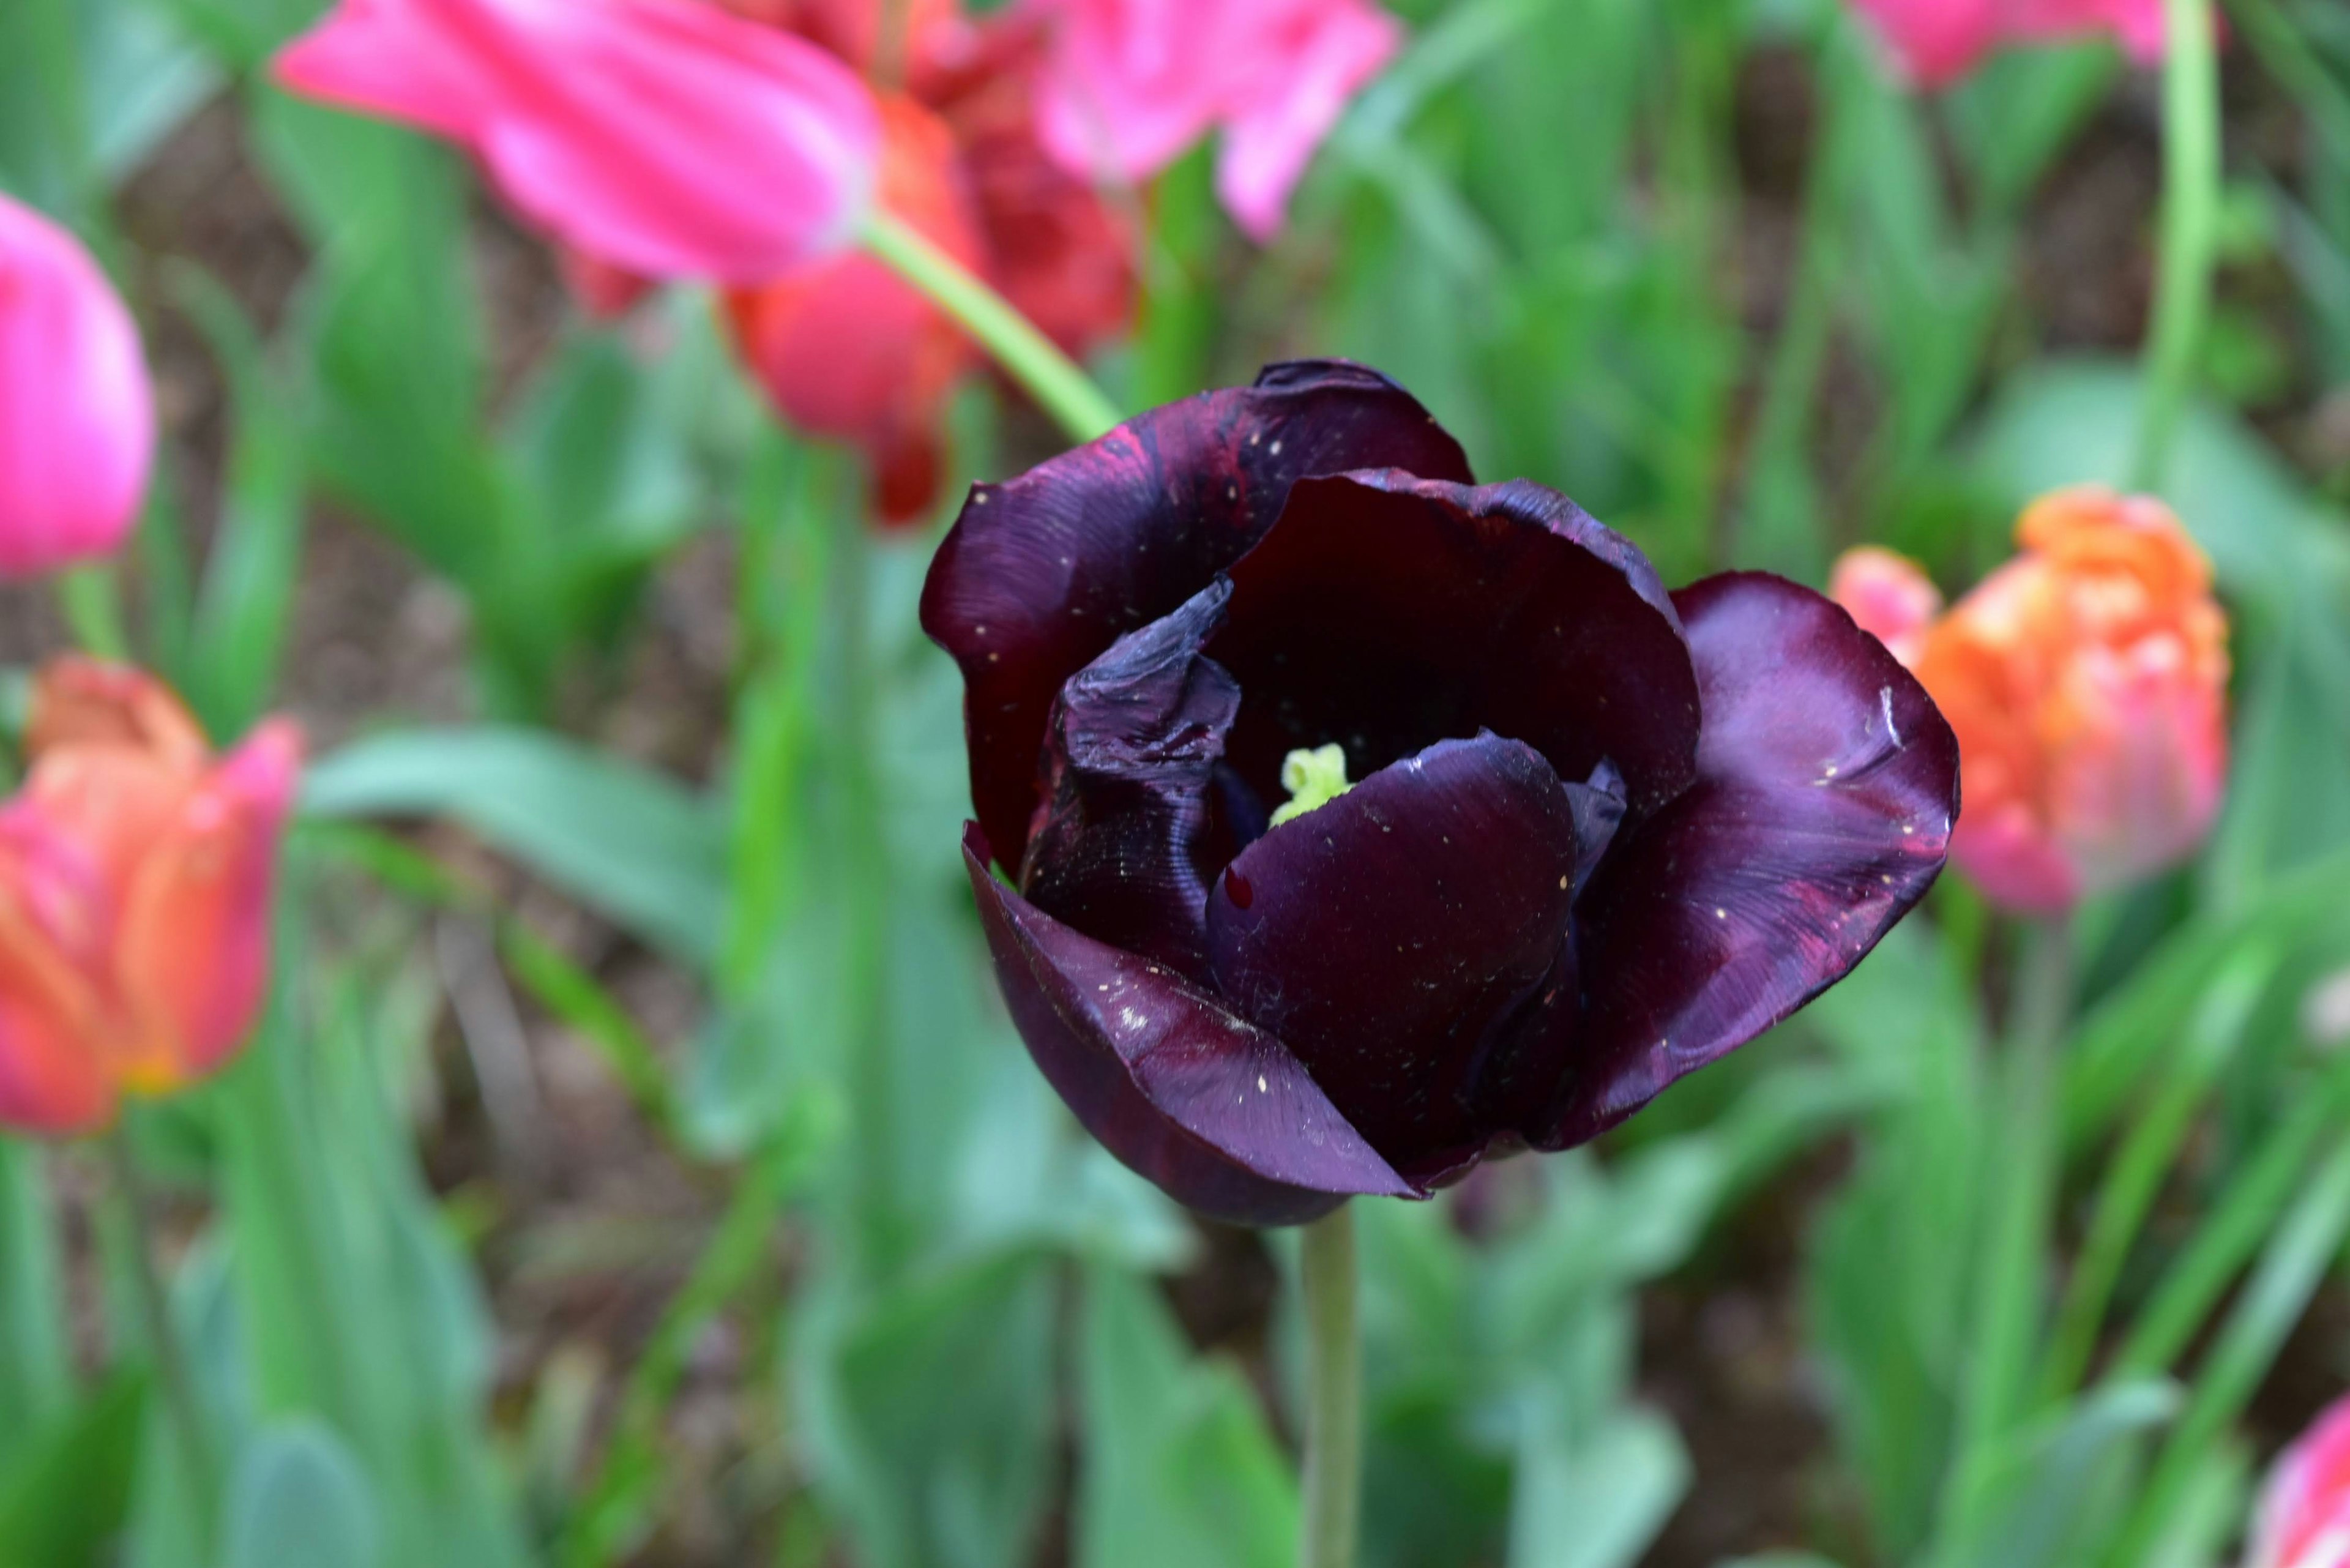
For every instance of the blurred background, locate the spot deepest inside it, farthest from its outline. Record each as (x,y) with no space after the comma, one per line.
(634,1164)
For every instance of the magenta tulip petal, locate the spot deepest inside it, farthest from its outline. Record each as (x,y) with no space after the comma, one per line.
(1131,85)
(1215,1111)
(1041,573)
(1827,785)
(1120,850)
(1389,612)
(667,138)
(77,414)
(1271,136)
(1391,937)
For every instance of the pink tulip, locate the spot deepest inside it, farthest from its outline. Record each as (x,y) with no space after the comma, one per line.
(77,416)
(2303,1520)
(666,137)
(1939,41)
(1133,84)
(1892,599)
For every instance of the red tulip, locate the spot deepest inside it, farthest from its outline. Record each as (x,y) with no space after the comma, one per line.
(1134,83)
(1938,41)
(847,349)
(664,137)
(77,416)
(2304,1512)
(135,875)
(2088,682)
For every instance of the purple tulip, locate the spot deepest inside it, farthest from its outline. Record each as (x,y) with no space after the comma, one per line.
(1600,834)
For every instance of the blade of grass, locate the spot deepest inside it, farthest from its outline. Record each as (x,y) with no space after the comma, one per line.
(2146,1157)
(2292,1266)
(2234,1230)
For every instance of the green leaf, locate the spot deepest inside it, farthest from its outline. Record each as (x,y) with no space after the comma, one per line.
(65,1491)
(929,1411)
(300,1497)
(246,611)
(1600,1502)
(2042,1493)
(1177,1470)
(36,1376)
(629,844)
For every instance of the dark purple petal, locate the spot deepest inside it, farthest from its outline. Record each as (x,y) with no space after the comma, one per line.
(1826,787)
(1043,573)
(1391,937)
(1386,612)
(1598,812)
(1213,1110)
(1120,850)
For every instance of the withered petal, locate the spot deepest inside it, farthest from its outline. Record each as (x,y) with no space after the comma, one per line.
(1827,785)
(1215,1111)
(1391,936)
(1042,572)
(1386,611)
(1119,849)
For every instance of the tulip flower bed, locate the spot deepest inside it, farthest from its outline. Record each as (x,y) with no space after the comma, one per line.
(1368,783)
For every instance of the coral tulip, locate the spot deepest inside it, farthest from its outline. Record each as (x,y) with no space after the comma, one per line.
(1598,835)
(1935,42)
(2088,682)
(664,137)
(2304,1521)
(1133,84)
(135,880)
(77,414)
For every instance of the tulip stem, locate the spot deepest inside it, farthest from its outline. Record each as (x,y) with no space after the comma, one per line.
(1049,376)
(182,1408)
(1333,1392)
(2190,230)
(2025,1161)
(88,599)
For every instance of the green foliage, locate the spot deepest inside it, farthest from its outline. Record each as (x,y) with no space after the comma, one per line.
(2041,1292)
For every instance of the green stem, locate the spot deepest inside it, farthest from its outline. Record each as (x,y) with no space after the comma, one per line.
(2011,1268)
(1333,1392)
(1049,376)
(182,1408)
(2190,230)
(87,597)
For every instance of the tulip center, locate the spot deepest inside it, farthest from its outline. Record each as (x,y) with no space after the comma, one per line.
(1312,777)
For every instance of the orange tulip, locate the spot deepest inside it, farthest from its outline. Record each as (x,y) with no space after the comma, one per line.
(135,877)
(2087,681)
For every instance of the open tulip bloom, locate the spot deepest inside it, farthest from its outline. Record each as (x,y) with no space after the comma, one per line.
(1365,822)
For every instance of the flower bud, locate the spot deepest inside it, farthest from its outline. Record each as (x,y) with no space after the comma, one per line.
(77,416)
(2304,1521)
(2087,681)
(135,881)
